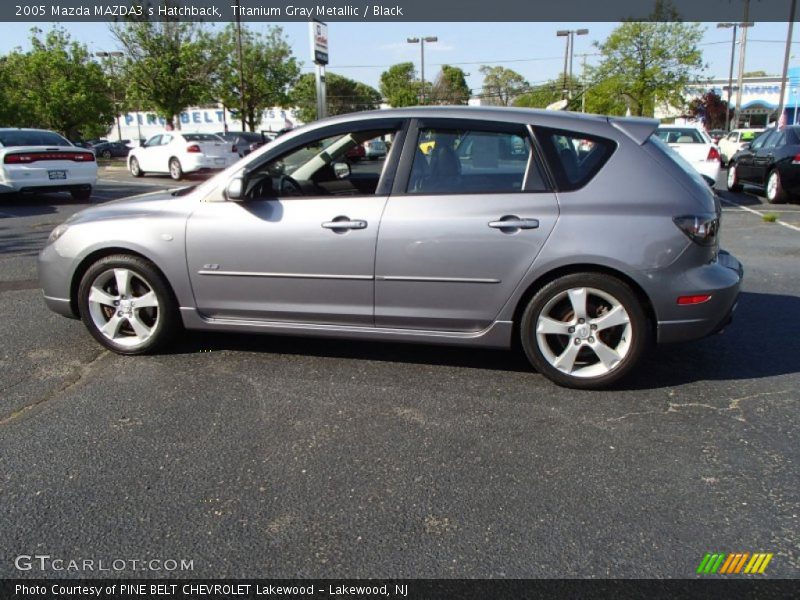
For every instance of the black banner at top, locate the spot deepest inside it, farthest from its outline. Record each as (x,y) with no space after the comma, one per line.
(390,10)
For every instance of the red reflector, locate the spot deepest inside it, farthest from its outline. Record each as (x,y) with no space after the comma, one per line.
(796,159)
(713,153)
(194,148)
(16,159)
(699,299)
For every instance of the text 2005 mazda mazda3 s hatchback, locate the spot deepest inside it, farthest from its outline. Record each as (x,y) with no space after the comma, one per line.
(582,237)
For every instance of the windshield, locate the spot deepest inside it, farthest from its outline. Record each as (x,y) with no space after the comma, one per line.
(681,162)
(21,137)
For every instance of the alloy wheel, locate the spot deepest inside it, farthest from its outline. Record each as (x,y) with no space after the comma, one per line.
(123,307)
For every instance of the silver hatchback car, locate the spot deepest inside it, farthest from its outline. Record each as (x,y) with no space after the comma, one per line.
(583,238)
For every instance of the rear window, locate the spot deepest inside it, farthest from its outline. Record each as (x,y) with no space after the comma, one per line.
(201,137)
(575,157)
(677,158)
(683,135)
(31,138)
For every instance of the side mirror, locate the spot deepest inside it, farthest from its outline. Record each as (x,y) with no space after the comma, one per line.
(341,169)
(235,189)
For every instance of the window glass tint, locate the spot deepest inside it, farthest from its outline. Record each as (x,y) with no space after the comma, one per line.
(451,161)
(153,141)
(200,137)
(328,166)
(575,157)
(776,139)
(31,138)
(762,139)
(681,135)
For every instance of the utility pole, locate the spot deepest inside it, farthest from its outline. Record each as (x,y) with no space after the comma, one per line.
(786,57)
(241,64)
(583,84)
(421,41)
(570,35)
(735,26)
(743,26)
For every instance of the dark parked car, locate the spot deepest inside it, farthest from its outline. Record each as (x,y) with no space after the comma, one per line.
(772,162)
(245,141)
(110,149)
(591,240)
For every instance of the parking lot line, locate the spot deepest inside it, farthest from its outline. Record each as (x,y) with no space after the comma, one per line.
(760,214)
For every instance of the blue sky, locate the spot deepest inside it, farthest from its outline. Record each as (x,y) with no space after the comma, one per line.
(363,50)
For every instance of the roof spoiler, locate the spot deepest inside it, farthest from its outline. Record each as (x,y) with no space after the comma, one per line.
(636,128)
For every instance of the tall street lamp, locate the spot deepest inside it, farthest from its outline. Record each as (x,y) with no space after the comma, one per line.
(570,35)
(111,56)
(421,41)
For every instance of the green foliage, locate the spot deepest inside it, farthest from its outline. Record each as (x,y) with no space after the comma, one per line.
(399,85)
(56,85)
(270,69)
(343,95)
(169,64)
(450,87)
(540,96)
(502,86)
(647,62)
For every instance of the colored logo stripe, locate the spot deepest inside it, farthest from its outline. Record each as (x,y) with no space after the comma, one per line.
(734,562)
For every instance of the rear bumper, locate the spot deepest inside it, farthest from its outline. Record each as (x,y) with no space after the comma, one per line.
(25,178)
(721,279)
(191,163)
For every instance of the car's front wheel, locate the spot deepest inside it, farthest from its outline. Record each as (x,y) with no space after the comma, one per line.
(774,188)
(733,179)
(134,167)
(175,169)
(584,330)
(127,305)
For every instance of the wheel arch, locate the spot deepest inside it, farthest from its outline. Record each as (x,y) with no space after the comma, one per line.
(563,270)
(99,254)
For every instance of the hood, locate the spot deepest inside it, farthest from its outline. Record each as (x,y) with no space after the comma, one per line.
(142,205)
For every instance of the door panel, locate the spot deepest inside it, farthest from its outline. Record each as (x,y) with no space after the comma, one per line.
(282,260)
(441,266)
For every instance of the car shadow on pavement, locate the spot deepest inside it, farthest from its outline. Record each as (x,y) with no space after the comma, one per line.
(758,343)
(30,205)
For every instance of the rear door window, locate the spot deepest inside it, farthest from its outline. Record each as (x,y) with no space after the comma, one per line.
(575,158)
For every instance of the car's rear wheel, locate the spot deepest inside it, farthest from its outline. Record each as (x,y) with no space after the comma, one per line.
(106,154)
(175,170)
(584,330)
(774,189)
(134,167)
(733,179)
(81,194)
(127,305)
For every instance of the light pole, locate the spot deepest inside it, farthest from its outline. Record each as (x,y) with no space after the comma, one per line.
(735,26)
(111,56)
(786,57)
(743,27)
(570,35)
(421,41)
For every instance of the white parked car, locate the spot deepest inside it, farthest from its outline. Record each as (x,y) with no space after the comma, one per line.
(37,160)
(694,145)
(733,142)
(178,153)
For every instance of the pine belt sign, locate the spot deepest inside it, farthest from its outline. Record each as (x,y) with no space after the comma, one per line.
(319,42)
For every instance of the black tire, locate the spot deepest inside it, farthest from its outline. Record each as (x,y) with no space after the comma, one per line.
(620,291)
(106,154)
(175,169)
(779,196)
(733,179)
(82,194)
(134,168)
(144,272)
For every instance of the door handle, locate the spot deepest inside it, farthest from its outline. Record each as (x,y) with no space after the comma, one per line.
(512,222)
(345,223)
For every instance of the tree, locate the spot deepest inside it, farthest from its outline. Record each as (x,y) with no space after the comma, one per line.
(56,85)
(501,86)
(648,62)
(450,87)
(754,74)
(270,69)
(540,96)
(399,85)
(169,64)
(710,109)
(343,95)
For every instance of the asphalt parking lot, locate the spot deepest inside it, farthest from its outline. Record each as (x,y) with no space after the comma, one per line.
(279,457)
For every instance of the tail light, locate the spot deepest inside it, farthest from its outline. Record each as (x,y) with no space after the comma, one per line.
(701,229)
(194,149)
(30,157)
(796,159)
(713,153)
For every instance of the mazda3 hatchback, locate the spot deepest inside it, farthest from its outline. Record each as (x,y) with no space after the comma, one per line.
(583,238)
